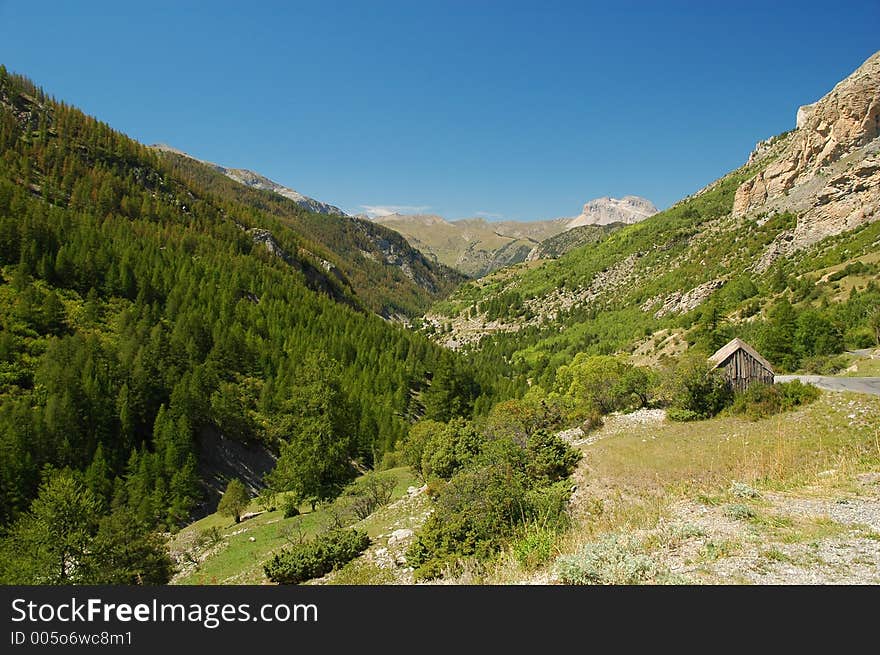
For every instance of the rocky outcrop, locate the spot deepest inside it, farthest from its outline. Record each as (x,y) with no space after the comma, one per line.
(827,170)
(558,245)
(680,302)
(604,211)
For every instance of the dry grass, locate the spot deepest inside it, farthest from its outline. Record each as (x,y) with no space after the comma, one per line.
(632,483)
(840,433)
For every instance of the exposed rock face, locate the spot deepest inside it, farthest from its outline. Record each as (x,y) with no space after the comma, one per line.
(604,211)
(828,169)
(680,302)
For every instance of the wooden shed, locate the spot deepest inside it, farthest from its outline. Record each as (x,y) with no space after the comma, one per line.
(741,365)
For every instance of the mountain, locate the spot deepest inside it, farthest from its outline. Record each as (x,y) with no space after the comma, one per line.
(164,329)
(473,246)
(575,237)
(605,211)
(783,246)
(388,276)
(257,181)
(827,170)
(477,247)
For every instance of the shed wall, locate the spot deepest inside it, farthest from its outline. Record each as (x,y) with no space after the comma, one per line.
(741,371)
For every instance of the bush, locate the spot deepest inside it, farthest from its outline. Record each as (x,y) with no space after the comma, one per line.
(824,364)
(740,512)
(604,381)
(449,449)
(550,458)
(316,558)
(682,415)
(611,561)
(763,400)
(692,386)
(268,499)
(534,547)
(290,506)
(369,493)
(209,537)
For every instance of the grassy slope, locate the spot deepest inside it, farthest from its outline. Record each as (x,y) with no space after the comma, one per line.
(237,560)
(665,491)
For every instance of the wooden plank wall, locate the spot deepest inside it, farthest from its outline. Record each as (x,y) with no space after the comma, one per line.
(741,371)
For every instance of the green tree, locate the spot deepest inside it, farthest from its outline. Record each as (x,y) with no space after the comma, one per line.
(452,392)
(235,500)
(316,429)
(777,340)
(874,323)
(49,544)
(126,552)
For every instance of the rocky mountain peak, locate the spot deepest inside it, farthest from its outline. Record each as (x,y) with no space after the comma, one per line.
(605,210)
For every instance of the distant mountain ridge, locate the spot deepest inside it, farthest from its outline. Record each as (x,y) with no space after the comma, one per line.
(256,181)
(802,214)
(477,247)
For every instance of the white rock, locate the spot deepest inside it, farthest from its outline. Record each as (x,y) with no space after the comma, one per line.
(399,535)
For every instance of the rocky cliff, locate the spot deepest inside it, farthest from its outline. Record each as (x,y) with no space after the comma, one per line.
(827,170)
(604,211)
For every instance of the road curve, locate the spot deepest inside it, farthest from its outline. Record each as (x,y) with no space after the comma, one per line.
(830,383)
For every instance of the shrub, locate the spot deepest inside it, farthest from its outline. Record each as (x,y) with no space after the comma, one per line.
(742,490)
(268,499)
(209,537)
(534,547)
(611,561)
(369,493)
(317,557)
(824,364)
(604,381)
(518,419)
(550,458)
(682,415)
(740,512)
(762,400)
(290,506)
(694,387)
(413,446)
(449,449)
(391,459)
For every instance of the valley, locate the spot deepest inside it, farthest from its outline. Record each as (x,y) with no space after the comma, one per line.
(208,378)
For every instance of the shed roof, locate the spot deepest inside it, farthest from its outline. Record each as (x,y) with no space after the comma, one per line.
(723,353)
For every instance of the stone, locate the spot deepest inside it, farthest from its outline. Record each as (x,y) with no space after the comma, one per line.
(827,171)
(400,535)
(604,211)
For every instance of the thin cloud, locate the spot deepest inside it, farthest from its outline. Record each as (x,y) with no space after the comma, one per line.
(377,211)
(489,215)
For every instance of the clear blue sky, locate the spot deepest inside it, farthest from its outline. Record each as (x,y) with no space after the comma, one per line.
(517,109)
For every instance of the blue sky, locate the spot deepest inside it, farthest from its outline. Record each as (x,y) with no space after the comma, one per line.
(520,110)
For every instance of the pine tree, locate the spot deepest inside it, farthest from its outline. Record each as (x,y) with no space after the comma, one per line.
(234,501)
